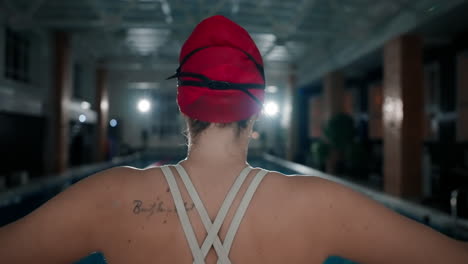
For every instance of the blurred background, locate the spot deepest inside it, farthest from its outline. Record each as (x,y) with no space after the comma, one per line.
(372,93)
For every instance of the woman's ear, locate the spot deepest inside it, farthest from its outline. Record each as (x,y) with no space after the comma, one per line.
(251,122)
(255,117)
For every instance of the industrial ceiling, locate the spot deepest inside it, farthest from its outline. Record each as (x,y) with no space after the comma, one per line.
(315,35)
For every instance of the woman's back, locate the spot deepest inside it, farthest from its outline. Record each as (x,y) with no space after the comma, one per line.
(145,225)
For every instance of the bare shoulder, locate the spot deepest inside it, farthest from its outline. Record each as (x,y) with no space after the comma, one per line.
(308,197)
(117,180)
(310,202)
(308,187)
(115,175)
(374,234)
(79,212)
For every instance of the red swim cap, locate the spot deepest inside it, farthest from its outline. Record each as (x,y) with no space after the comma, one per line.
(221,76)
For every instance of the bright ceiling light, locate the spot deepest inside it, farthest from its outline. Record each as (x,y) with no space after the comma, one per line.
(143,85)
(272,89)
(144,105)
(146,40)
(113,123)
(271,108)
(235,7)
(85,105)
(82,118)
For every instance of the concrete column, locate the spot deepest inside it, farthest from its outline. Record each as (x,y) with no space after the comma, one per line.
(292,105)
(333,99)
(462,98)
(61,93)
(403,116)
(102,110)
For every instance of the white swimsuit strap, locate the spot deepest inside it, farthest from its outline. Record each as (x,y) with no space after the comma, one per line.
(236,221)
(212,238)
(184,220)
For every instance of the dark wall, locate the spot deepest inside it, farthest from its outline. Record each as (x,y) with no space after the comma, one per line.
(21,143)
(81,140)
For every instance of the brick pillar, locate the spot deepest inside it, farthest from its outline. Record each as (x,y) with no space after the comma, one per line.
(102,110)
(462,98)
(375,100)
(431,82)
(315,117)
(403,116)
(333,99)
(348,102)
(292,107)
(61,92)
(333,103)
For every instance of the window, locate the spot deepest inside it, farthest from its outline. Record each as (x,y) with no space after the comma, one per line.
(17,56)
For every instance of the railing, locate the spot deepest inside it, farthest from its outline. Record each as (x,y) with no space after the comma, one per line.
(14,195)
(454,205)
(455,197)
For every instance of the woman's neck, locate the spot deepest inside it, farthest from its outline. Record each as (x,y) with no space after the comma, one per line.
(219,147)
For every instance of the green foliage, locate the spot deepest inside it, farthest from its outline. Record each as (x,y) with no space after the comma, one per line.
(357,158)
(319,151)
(340,131)
(339,135)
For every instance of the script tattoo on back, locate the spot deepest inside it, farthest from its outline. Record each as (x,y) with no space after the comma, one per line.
(149,209)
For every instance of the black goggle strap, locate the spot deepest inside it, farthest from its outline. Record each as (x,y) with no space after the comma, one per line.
(259,67)
(219,85)
(178,71)
(177,74)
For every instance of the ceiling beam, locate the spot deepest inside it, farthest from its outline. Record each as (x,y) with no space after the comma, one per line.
(10,7)
(216,7)
(100,12)
(21,18)
(77,24)
(188,14)
(33,7)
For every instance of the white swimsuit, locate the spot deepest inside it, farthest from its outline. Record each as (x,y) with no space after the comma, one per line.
(212,239)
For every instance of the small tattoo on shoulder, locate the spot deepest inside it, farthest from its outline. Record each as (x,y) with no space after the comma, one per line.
(151,208)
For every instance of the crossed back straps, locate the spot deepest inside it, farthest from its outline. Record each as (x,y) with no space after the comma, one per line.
(212,238)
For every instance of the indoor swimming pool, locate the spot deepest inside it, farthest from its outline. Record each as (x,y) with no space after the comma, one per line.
(19,202)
